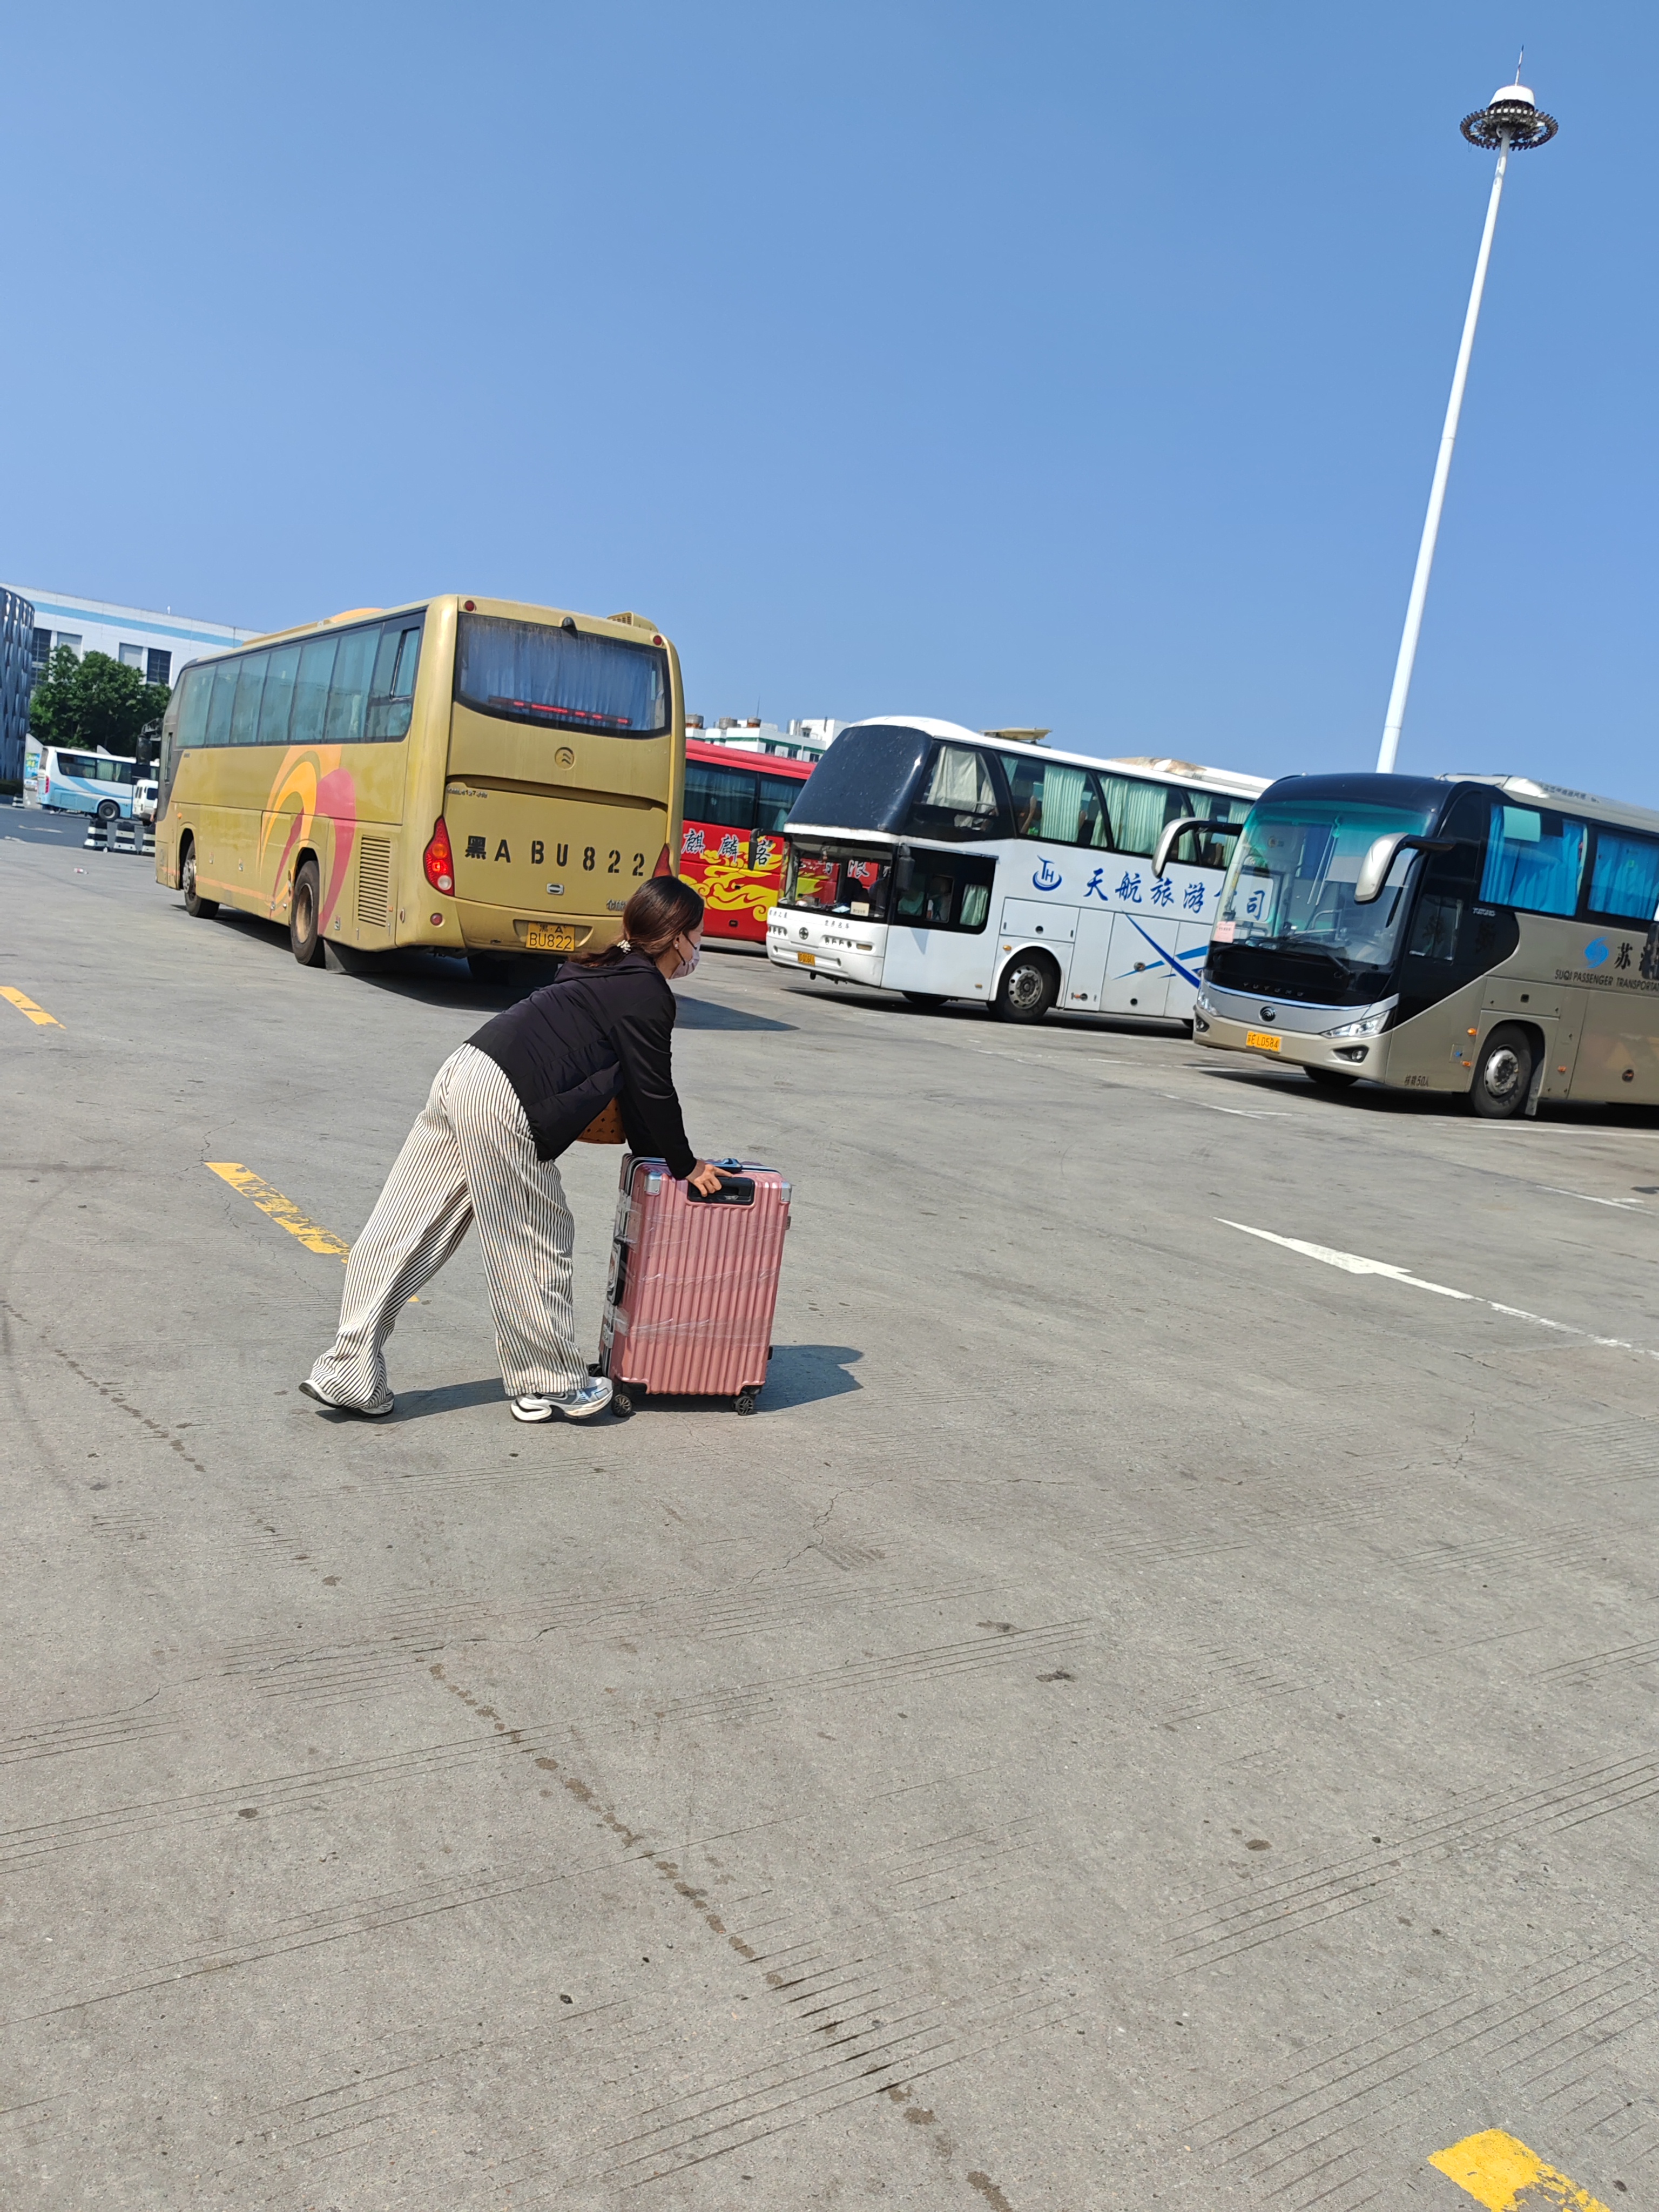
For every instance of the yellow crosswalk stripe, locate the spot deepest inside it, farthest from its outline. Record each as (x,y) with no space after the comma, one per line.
(1499,2171)
(27,1007)
(282,1211)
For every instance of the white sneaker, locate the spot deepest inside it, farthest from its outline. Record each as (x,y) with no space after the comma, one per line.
(377,1413)
(578,1405)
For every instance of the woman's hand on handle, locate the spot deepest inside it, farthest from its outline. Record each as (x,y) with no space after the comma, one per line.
(704,1180)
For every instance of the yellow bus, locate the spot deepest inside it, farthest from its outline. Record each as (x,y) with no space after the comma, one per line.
(465,775)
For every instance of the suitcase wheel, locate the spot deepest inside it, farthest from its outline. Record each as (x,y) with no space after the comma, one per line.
(744,1402)
(622,1404)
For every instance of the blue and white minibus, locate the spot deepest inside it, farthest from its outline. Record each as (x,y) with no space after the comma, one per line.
(68,780)
(944,863)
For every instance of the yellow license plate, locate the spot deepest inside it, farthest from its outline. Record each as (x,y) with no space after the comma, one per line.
(807,959)
(549,937)
(1258,1041)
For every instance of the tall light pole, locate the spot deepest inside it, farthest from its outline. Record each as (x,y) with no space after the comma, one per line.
(1511,123)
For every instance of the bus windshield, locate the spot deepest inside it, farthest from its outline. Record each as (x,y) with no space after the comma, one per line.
(1290,887)
(564,679)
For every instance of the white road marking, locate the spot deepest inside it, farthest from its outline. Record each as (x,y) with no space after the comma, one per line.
(1354,1263)
(1351,1261)
(1244,1113)
(1555,1189)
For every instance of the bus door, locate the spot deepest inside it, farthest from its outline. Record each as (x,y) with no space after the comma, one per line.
(939,938)
(1119,963)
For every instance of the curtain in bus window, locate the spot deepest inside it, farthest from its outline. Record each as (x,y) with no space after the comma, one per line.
(1057,803)
(310,716)
(778,793)
(274,708)
(245,714)
(348,692)
(392,693)
(1139,811)
(1535,860)
(722,796)
(1625,877)
(959,798)
(568,679)
(197,685)
(222,703)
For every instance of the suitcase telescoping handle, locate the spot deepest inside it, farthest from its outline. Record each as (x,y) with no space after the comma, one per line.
(734,1190)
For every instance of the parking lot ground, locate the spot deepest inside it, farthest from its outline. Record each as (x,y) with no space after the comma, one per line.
(1156,1708)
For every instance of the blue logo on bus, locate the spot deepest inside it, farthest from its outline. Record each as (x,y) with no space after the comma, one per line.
(1597,951)
(1048,877)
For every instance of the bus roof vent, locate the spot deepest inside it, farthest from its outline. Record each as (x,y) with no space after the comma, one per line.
(639,621)
(351,614)
(1017,737)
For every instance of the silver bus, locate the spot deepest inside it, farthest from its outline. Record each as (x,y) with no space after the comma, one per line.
(1484,935)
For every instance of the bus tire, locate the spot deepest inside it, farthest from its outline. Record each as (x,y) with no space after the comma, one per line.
(108,810)
(1030,985)
(304,935)
(1503,1074)
(202,909)
(929,1001)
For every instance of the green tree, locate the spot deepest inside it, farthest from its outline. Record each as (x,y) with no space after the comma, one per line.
(96,704)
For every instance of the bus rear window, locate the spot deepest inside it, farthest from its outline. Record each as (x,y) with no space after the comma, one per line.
(560,679)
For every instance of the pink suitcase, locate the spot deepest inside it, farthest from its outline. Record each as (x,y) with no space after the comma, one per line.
(693,1285)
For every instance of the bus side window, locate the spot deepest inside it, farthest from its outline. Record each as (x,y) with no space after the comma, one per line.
(222,703)
(310,716)
(1535,860)
(278,701)
(197,684)
(778,793)
(1625,876)
(250,685)
(1054,801)
(959,798)
(392,692)
(348,690)
(722,796)
(1138,811)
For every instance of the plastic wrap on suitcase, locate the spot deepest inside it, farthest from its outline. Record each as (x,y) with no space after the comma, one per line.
(693,1281)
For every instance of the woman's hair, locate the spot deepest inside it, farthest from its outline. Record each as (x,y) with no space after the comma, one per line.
(658,912)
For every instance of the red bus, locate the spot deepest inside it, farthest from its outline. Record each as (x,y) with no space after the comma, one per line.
(733,847)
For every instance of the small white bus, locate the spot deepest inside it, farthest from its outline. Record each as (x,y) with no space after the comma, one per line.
(69,780)
(931,861)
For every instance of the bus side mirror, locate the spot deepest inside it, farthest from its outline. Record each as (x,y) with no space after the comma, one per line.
(1166,843)
(1381,857)
(904,871)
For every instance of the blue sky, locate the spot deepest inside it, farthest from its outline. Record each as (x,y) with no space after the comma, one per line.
(1065,364)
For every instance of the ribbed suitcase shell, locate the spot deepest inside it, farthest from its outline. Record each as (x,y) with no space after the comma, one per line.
(693,1286)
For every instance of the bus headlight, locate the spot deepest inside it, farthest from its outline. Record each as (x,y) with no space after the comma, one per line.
(1372,1025)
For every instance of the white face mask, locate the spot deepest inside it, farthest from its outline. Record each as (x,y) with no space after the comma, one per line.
(686,966)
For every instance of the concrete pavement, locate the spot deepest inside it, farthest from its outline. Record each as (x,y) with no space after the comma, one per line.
(1144,1713)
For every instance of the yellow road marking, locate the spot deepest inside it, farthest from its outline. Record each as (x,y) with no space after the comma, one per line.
(282,1211)
(1503,2174)
(27,1007)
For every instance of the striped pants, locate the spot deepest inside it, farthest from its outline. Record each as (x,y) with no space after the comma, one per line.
(470,1157)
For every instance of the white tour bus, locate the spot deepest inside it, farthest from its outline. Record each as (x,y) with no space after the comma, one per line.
(71,779)
(927,859)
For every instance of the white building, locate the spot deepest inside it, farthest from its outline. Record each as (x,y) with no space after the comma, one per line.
(801,741)
(156,644)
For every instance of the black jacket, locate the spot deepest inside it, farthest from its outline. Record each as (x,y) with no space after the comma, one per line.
(590,1035)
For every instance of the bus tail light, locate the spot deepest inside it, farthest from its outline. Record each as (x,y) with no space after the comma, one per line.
(662,867)
(439,860)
